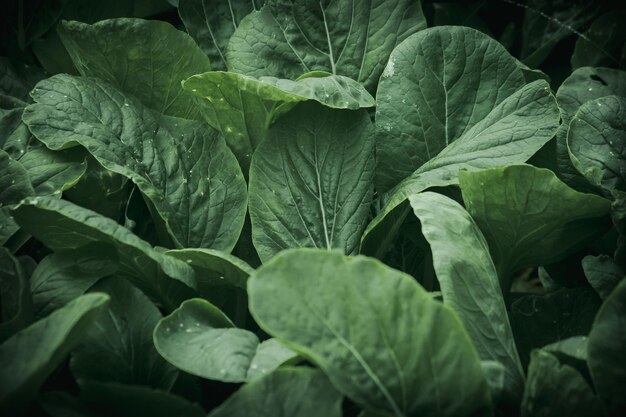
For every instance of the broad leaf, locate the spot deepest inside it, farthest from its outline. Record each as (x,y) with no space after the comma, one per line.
(183,167)
(145,58)
(607,341)
(120,349)
(554,389)
(585,84)
(14,181)
(61,225)
(52,172)
(603,273)
(596,141)
(16,80)
(285,392)
(212,22)
(311,181)
(63,276)
(603,43)
(16,303)
(530,117)
(382,340)
(27,358)
(423,103)
(529,217)
(199,339)
(243,108)
(288,38)
(214,268)
(468,280)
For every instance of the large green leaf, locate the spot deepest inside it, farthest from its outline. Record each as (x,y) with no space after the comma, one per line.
(61,225)
(288,38)
(311,181)
(27,358)
(554,389)
(469,283)
(182,166)
(243,108)
(285,392)
(16,303)
(529,117)
(382,340)
(120,348)
(585,84)
(199,339)
(529,217)
(145,58)
(14,181)
(596,141)
(52,172)
(212,22)
(60,277)
(606,346)
(422,99)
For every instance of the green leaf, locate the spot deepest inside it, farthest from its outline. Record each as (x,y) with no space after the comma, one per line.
(529,217)
(585,84)
(603,273)
(63,276)
(17,79)
(61,225)
(596,142)
(120,348)
(27,358)
(545,24)
(382,340)
(199,339)
(211,23)
(52,172)
(285,392)
(16,304)
(183,167)
(422,99)
(311,181)
(538,320)
(153,61)
(287,39)
(603,43)
(607,340)
(554,389)
(530,117)
(469,283)
(214,268)
(14,181)
(243,108)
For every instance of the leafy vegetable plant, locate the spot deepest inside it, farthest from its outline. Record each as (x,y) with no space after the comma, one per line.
(295,208)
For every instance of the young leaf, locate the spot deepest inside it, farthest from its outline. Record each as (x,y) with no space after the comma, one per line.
(145,58)
(243,108)
(469,283)
(60,277)
(596,141)
(606,359)
(183,167)
(199,339)
(554,389)
(530,117)
(211,23)
(311,181)
(61,225)
(285,392)
(422,99)
(287,39)
(381,339)
(120,349)
(529,217)
(585,84)
(27,358)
